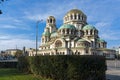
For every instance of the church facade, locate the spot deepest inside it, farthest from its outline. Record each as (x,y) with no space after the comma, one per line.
(74,37)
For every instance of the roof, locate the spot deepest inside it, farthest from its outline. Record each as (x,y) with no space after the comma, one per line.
(12,49)
(100,40)
(82,40)
(51,17)
(105,49)
(75,11)
(46,33)
(67,26)
(54,34)
(89,27)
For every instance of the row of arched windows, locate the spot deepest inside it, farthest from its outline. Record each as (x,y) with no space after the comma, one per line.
(75,17)
(101,45)
(50,20)
(60,53)
(67,31)
(90,32)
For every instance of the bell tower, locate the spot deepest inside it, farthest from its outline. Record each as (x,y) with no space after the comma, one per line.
(51,24)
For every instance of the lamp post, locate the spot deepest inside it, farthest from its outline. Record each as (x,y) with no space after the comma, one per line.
(37,34)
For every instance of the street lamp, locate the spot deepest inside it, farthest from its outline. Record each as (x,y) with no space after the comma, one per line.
(37,34)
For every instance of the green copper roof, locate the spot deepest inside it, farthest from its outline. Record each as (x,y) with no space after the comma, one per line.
(54,34)
(88,27)
(100,40)
(67,26)
(81,40)
(47,33)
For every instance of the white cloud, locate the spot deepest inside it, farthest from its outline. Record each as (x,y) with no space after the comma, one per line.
(8,41)
(110,35)
(20,43)
(8,26)
(102,25)
(106,31)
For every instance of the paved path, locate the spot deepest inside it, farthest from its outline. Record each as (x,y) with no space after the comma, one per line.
(113,70)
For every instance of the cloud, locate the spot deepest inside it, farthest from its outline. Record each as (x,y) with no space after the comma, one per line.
(103,26)
(15,26)
(20,43)
(8,26)
(14,23)
(106,31)
(110,35)
(8,41)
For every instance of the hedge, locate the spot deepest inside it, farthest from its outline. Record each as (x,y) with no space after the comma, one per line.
(65,67)
(8,64)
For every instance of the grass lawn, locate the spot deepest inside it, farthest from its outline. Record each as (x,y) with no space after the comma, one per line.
(13,74)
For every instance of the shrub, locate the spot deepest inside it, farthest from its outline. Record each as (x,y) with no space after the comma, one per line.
(66,67)
(23,64)
(8,64)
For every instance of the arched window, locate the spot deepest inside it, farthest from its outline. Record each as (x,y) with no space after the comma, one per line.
(87,32)
(90,32)
(50,20)
(71,17)
(79,16)
(67,31)
(58,43)
(99,45)
(75,16)
(63,31)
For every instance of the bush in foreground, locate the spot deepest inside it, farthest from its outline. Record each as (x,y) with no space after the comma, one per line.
(65,67)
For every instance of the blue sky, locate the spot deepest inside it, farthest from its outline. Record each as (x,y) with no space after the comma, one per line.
(18,21)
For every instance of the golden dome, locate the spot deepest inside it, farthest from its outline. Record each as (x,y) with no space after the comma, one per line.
(75,11)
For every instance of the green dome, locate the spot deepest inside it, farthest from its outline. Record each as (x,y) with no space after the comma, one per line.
(101,40)
(54,34)
(67,26)
(81,40)
(88,27)
(47,33)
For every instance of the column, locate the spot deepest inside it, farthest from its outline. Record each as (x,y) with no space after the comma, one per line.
(65,31)
(77,16)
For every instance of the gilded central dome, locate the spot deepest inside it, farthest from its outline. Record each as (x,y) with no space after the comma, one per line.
(75,11)
(75,15)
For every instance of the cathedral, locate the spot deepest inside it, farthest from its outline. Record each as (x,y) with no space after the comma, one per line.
(74,37)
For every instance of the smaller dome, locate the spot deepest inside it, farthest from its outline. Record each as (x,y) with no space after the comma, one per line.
(67,26)
(89,27)
(47,33)
(51,17)
(54,34)
(81,40)
(100,40)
